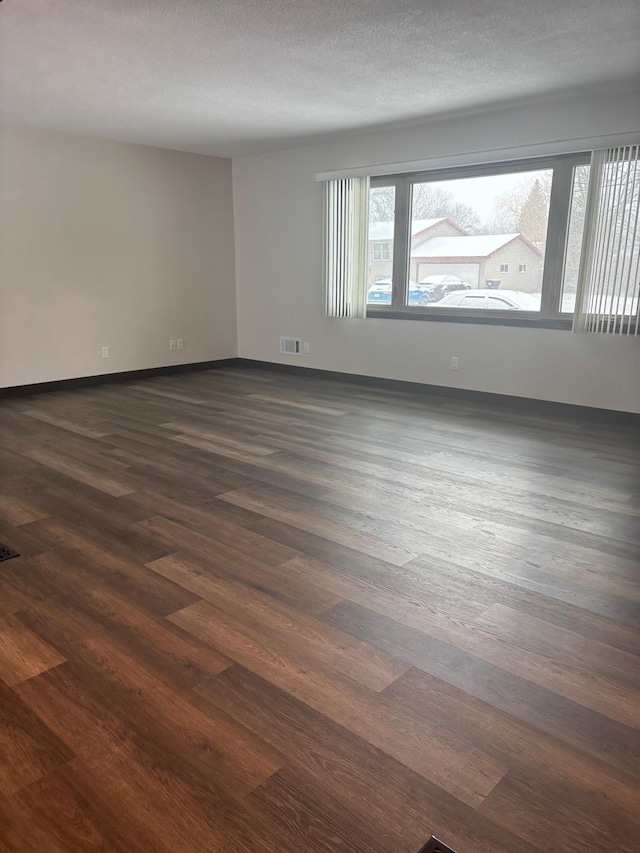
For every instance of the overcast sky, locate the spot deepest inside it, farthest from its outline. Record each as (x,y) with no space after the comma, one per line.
(482,193)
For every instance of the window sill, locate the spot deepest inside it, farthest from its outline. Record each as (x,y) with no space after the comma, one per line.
(483,320)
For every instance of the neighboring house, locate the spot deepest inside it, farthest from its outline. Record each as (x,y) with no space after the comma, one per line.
(483,260)
(381,242)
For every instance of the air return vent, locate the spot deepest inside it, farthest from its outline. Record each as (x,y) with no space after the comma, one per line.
(290,346)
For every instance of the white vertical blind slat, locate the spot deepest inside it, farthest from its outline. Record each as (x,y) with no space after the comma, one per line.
(346,202)
(618,177)
(610,193)
(611,188)
(622,245)
(633,267)
(608,298)
(632,282)
(589,243)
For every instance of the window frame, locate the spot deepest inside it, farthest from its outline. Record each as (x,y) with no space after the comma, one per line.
(550,315)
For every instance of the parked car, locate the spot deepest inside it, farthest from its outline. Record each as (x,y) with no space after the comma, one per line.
(497,300)
(436,287)
(380,293)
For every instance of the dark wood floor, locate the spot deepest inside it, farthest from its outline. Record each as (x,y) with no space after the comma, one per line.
(256,612)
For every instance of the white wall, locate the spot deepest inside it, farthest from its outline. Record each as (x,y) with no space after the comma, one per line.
(278,208)
(110,244)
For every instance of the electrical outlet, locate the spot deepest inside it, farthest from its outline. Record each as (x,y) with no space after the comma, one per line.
(180,343)
(105,352)
(172,345)
(454,362)
(305,348)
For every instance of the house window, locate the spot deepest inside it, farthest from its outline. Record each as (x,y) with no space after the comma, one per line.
(454,230)
(382,251)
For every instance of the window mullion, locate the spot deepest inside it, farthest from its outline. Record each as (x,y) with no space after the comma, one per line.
(401,242)
(557,226)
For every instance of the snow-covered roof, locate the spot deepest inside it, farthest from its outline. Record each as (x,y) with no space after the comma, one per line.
(480,246)
(384,230)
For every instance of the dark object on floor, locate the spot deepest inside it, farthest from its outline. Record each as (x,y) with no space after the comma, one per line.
(7,553)
(435,846)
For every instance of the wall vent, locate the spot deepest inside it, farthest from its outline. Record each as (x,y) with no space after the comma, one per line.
(290,346)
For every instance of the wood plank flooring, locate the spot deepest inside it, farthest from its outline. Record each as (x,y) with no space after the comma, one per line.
(258,613)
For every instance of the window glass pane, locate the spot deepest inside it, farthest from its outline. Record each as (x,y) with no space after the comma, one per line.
(485,233)
(574,237)
(382,202)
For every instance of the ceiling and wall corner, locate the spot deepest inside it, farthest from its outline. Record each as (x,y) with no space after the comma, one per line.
(241,76)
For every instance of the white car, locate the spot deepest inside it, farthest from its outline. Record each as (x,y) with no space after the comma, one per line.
(497,300)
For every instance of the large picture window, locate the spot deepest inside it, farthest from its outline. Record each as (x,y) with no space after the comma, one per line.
(550,241)
(479,243)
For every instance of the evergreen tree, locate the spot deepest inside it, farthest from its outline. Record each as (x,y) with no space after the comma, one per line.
(532,221)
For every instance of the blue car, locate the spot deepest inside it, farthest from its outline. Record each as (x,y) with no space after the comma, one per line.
(380,293)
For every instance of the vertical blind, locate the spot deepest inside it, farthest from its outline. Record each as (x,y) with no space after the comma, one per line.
(346,215)
(608,292)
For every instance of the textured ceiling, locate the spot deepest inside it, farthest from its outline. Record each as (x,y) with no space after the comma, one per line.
(234,76)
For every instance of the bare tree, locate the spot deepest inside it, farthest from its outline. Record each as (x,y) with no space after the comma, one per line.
(429,202)
(382,202)
(432,202)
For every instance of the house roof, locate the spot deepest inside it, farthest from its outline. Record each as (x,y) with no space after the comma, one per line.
(481,246)
(384,230)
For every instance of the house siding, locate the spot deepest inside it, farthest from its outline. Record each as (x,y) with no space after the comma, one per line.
(515,253)
(477,271)
(384,269)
